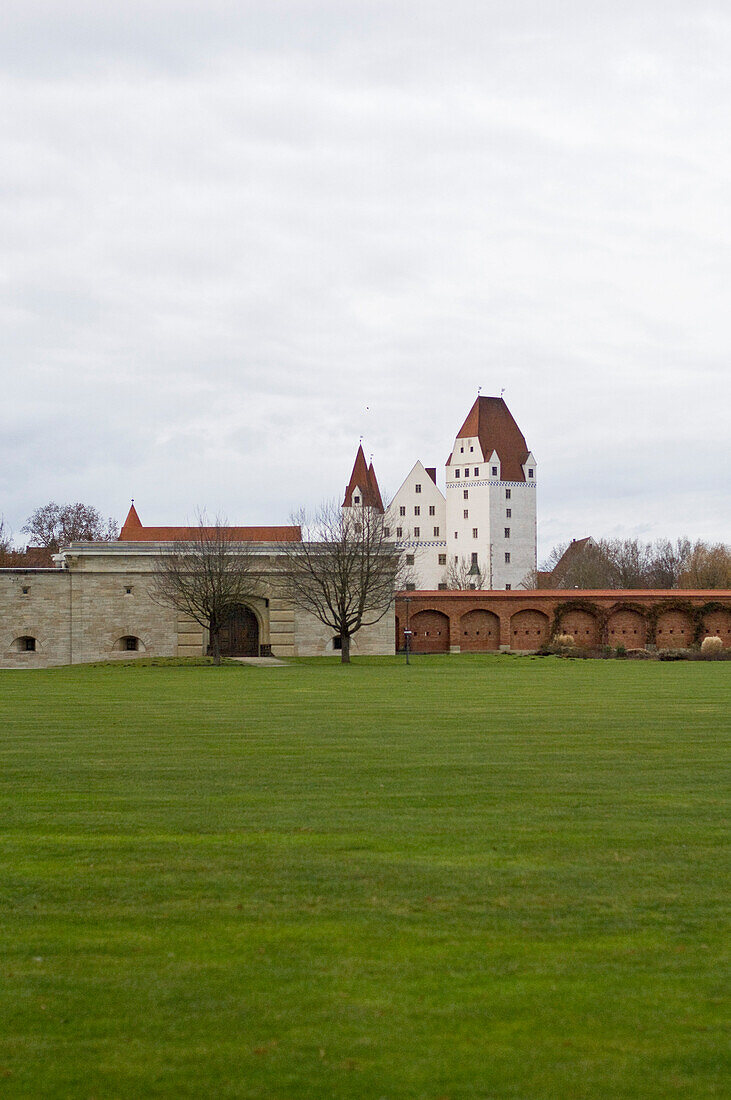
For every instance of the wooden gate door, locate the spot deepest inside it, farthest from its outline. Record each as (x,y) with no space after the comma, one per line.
(240,634)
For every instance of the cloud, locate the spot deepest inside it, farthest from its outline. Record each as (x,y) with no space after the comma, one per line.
(231,227)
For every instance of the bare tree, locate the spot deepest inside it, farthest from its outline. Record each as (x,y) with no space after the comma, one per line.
(345,571)
(708,566)
(56,525)
(207,576)
(667,560)
(6,542)
(463,574)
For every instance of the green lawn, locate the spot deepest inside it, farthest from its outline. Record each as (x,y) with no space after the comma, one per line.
(478,876)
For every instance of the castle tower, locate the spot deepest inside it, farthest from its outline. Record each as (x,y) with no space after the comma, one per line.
(362,489)
(491,497)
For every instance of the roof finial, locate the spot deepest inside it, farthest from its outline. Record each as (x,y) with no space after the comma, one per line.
(479,390)
(502,391)
(133,500)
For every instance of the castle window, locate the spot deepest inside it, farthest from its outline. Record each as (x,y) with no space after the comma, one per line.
(417,510)
(442,559)
(507,532)
(461,450)
(494,471)
(507,587)
(130,643)
(387,532)
(507,558)
(472,448)
(507,494)
(508,513)
(442,587)
(26,590)
(466,494)
(402,510)
(456,535)
(477,471)
(409,559)
(28,645)
(466,513)
(411,587)
(456,473)
(356,500)
(417,532)
(436,532)
(474,532)
(128,591)
(417,488)
(473,558)
(432,510)
(399,532)
(530,471)
(337,642)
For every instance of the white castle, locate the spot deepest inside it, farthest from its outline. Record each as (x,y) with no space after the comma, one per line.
(482,534)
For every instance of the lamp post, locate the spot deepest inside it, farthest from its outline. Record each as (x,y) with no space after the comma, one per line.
(407,631)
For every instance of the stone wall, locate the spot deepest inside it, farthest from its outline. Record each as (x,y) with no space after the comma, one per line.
(87,611)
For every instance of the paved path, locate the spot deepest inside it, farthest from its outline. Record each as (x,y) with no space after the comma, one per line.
(261,662)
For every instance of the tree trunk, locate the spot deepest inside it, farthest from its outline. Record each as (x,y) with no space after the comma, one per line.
(216,646)
(345,649)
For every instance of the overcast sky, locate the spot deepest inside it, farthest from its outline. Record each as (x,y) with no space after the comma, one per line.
(237,236)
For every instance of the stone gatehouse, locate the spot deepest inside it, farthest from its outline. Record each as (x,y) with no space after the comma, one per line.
(97,605)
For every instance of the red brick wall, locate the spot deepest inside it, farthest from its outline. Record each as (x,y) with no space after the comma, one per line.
(627,628)
(506,616)
(718,623)
(674,630)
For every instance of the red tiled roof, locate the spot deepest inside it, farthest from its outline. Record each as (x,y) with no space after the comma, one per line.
(491,422)
(364,479)
(133,531)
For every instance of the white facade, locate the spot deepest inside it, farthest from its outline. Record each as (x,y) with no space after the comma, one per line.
(488,516)
(491,517)
(416,521)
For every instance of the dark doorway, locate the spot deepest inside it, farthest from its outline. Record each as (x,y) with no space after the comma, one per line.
(239,634)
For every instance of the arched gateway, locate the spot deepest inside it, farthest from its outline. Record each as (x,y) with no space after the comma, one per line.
(239,636)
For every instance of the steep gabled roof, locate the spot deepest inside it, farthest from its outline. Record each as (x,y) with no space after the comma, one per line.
(491,422)
(133,531)
(375,491)
(363,478)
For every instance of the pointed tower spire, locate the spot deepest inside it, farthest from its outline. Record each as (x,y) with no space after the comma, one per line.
(363,485)
(131,524)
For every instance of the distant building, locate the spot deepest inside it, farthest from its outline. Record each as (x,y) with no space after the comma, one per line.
(486,523)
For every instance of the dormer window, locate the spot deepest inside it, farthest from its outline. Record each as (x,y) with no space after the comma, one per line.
(417,488)
(530,471)
(356,500)
(494,471)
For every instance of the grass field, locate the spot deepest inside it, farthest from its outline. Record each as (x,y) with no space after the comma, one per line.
(474,877)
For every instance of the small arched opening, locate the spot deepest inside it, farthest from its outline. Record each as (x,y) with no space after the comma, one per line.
(528,630)
(479,630)
(26,643)
(429,632)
